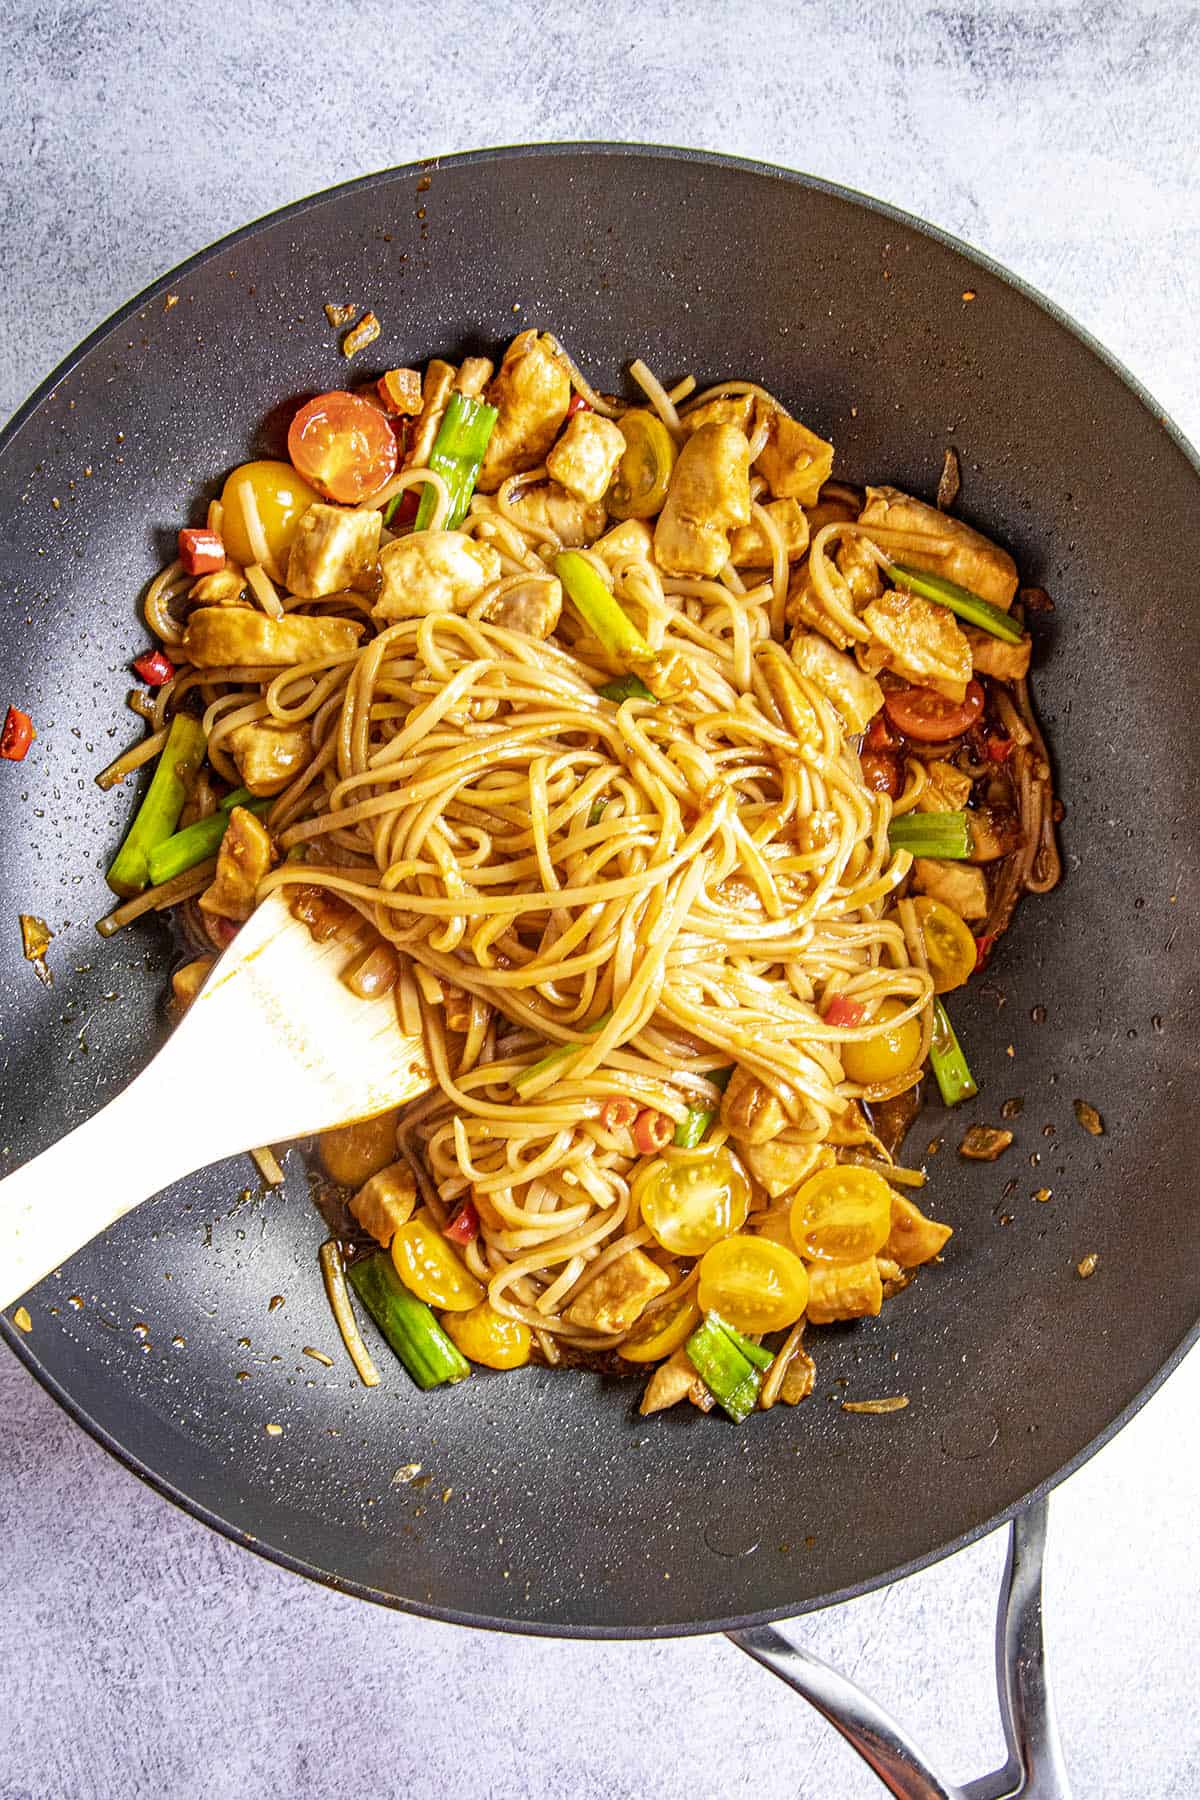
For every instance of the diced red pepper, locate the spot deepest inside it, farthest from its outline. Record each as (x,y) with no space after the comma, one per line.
(154,668)
(200,551)
(578,404)
(463,1228)
(880,735)
(844,1012)
(983,950)
(998,748)
(17,735)
(652,1131)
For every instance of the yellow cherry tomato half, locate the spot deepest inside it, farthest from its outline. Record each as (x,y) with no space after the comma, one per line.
(949,946)
(841,1215)
(643,475)
(893,1051)
(690,1205)
(344,445)
(753,1284)
(279,495)
(428,1267)
(662,1333)
(489,1337)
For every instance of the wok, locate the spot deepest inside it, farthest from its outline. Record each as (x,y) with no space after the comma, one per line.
(567,1513)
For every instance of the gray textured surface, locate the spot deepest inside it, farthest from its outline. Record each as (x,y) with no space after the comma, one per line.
(141,1654)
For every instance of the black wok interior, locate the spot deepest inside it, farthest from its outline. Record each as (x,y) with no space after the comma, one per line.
(543,1502)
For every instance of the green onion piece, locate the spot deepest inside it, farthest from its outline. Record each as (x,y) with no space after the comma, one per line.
(195,843)
(946,834)
(627,687)
(689,1133)
(596,811)
(457,453)
(730,1376)
(955,1080)
(593,601)
(762,1359)
(158,815)
(560,1054)
(960,600)
(407,1323)
(239,797)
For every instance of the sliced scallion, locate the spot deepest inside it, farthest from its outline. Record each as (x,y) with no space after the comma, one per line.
(627,687)
(726,1372)
(198,841)
(754,1353)
(945,834)
(407,1323)
(955,1080)
(691,1130)
(158,815)
(593,600)
(458,451)
(562,1053)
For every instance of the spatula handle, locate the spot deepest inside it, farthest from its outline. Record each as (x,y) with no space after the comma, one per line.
(83,1184)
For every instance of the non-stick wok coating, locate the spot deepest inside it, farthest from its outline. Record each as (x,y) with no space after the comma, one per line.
(543,1501)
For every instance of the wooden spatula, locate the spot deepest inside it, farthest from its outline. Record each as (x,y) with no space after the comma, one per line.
(273,1047)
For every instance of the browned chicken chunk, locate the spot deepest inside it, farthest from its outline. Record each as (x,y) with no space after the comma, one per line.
(913,1239)
(843,1291)
(956,551)
(921,642)
(334,547)
(243,859)
(433,572)
(992,656)
(534,607)
(243,638)
(268,754)
(560,515)
(385,1201)
(750,1112)
(856,695)
(532,390)
(709,495)
(957,885)
(748,547)
(585,457)
(795,463)
(673,1381)
(619,1294)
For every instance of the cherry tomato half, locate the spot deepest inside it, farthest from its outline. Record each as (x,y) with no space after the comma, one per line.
(881,772)
(892,1052)
(344,445)
(643,475)
(279,496)
(662,1333)
(488,1337)
(930,718)
(690,1205)
(841,1215)
(428,1267)
(949,946)
(754,1284)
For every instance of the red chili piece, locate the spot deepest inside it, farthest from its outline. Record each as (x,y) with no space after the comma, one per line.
(406,512)
(463,1228)
(844,1012)
(983,951)
(578,405)
(618,1114)
(998,748)
(201,552)
(154,668)
(652,1131)
(17,735)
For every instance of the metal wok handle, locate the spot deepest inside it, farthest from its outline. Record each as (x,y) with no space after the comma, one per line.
(1034,1769)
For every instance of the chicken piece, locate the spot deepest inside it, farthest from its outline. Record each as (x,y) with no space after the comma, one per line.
(334,547)
(992,656)
(436,389)
(245,638)
(913,1239)
(351,1154)
(800,1379)
(585,457)
(532,390)
(946,788)
(805,612)
(560,515)
(401,391)
(779,1166)
(750,1112)
(187,981)
(724,409)
(829,508)
(385,1202)
(268,754)
(956,551)
(245,856)
(534,607)
(848,1127)
(994,833)
(222,587)
(673,1381)
(709,494)
(433,572)
(856,696)
(859,571)
(795,463)
(921,642)
(473,376)
(617,1297)
(956,884)
(631,541)
(748,547)
(843,1291)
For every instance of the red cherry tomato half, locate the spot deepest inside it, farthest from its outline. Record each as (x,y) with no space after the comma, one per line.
(881,772)
(930,718)
(344,446)
(880,735)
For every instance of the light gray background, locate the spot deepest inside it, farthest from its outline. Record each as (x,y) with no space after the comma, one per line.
(143,1655)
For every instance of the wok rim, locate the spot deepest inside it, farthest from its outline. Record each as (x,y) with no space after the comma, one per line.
(16,1339)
